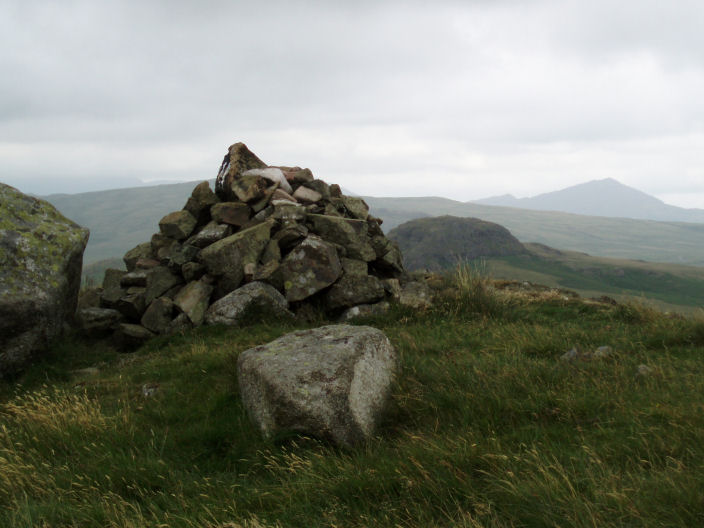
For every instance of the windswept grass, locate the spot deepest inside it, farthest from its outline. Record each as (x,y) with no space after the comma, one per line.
(487,427)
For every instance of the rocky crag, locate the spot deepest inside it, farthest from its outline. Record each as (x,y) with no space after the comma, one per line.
(271,238)
(440,243)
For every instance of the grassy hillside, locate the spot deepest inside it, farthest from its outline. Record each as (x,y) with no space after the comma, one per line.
(440,243)
(487,427)
(608,237)
(122,218)
(671,285)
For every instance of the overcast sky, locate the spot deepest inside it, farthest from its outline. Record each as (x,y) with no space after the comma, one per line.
(463,99)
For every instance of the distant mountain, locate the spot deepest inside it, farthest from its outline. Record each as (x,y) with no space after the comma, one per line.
(675,242)
(122,218)
(441,242)
(601,198)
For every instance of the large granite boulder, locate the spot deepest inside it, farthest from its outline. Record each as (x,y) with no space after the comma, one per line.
(41,255)
(331,382)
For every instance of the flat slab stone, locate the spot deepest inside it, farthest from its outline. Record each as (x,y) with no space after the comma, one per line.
(211,233)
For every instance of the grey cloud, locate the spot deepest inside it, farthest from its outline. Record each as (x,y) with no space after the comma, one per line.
(484,77)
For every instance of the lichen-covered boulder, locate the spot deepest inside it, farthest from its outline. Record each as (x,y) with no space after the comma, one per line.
(178,225)
(331,382)
(356,206)
(249,299)
(201,200)
(226,259)
(349,233)
(308,268)
(193,300)
(211,233)
(232,213)
(141,251)
(41,255)
(352,290)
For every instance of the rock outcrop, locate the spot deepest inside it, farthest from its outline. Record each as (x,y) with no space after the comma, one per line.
(331,382)
(439,243)
(41,255)
(278,227)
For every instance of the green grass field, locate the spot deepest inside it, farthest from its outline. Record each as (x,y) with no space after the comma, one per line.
(487,427)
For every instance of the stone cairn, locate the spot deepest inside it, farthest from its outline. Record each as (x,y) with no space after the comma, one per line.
(270,238)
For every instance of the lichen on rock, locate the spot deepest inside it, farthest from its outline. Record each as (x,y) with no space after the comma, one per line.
(41,255)
(275,224)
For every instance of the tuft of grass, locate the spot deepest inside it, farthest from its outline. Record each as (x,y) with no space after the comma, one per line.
(474,292)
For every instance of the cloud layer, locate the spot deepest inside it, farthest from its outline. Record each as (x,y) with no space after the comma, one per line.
(459,99)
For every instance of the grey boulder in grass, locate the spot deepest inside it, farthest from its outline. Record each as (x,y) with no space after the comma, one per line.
(331,382)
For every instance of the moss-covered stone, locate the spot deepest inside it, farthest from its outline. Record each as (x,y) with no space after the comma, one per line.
(310,267)
(351,290)
(227,258)
(351,234)
(178,225)
(41,254)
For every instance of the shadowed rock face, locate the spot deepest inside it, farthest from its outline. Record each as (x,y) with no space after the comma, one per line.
(41,255)
(276,225)
(440,243)
(331,382)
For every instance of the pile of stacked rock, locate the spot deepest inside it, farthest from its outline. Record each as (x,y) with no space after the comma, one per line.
(271,238)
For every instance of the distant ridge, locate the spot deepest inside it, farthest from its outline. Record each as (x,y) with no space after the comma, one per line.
(120,219)
(606,197)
